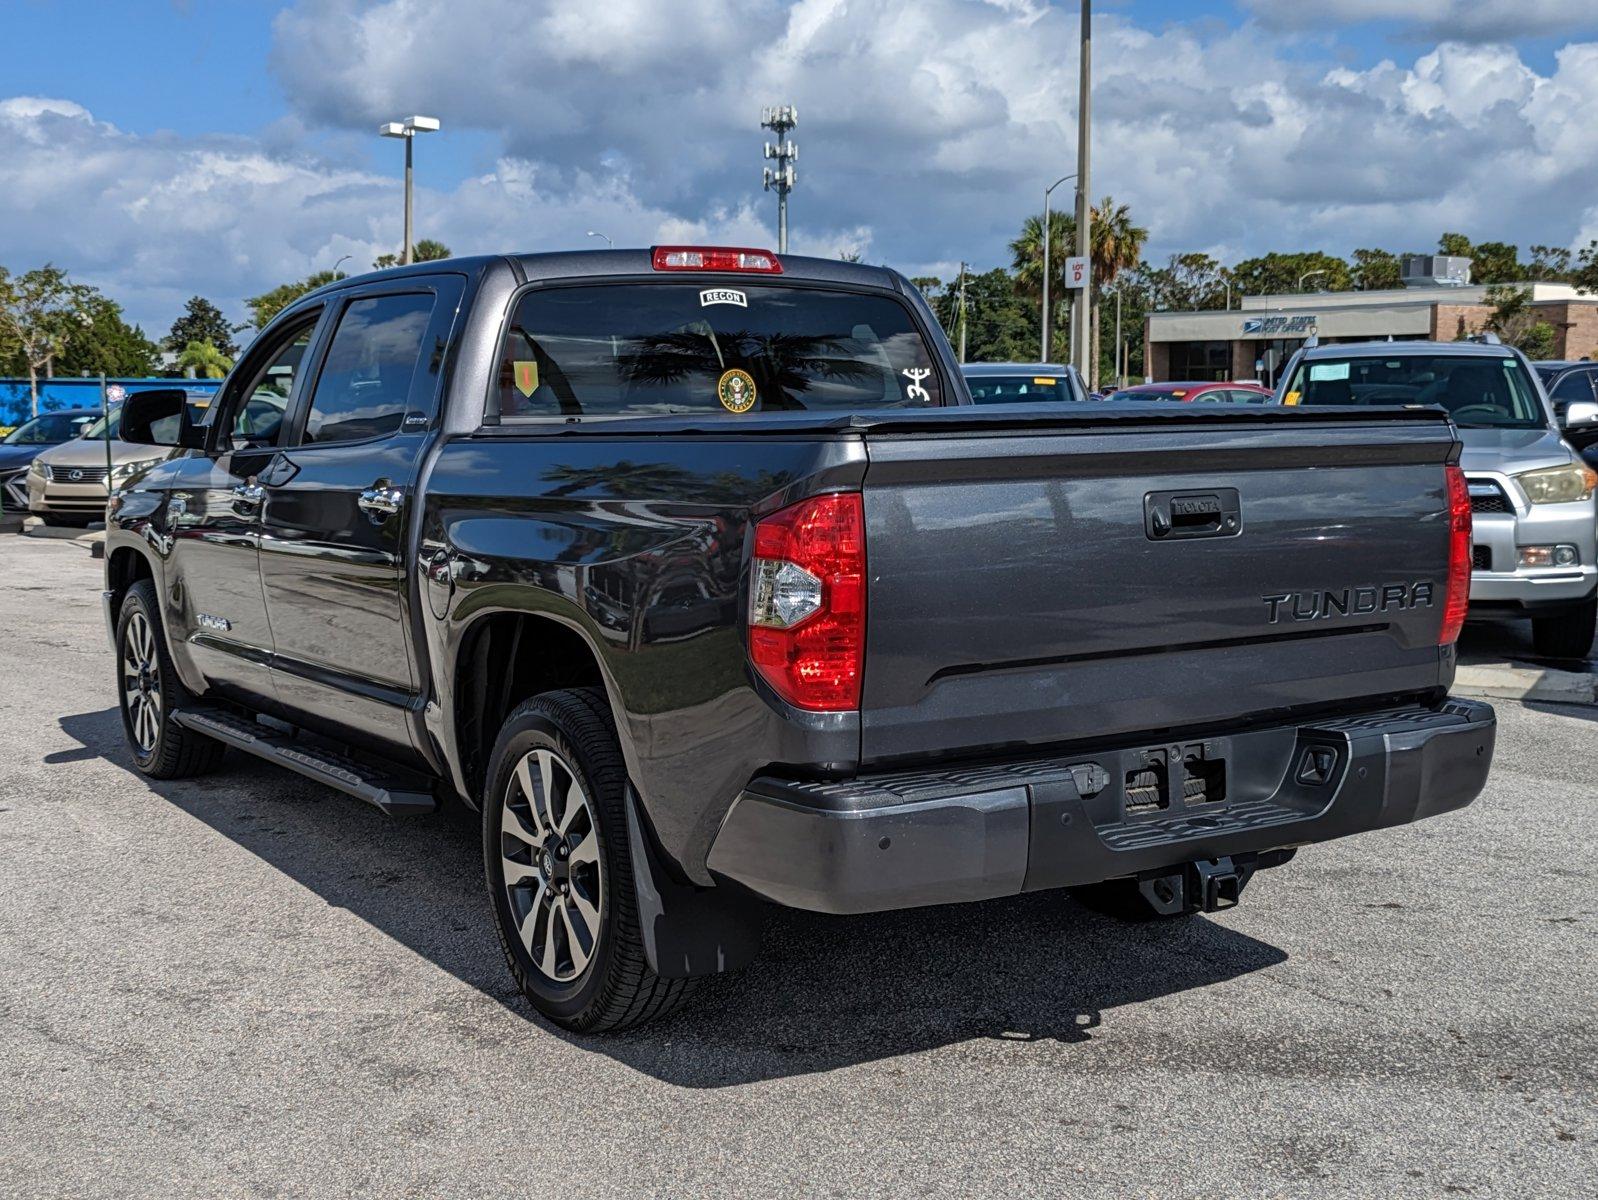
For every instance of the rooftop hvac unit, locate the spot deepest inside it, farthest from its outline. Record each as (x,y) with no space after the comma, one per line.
(1434,270)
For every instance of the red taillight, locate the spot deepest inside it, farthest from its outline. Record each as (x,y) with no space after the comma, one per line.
(807,602)
(715,258)
(1456,598)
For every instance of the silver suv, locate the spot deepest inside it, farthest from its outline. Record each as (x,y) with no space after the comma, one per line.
(1535,545)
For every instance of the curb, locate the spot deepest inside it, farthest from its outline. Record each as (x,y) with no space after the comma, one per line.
(1520,681)
(35,528)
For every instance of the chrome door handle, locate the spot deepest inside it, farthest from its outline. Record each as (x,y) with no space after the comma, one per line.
(248,494)
(381,502)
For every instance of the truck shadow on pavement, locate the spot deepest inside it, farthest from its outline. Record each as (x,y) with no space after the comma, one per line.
(826,992)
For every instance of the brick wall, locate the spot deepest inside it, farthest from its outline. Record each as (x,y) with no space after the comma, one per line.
(1244,355)
(1449,321)
(1157,356)
(1575,325)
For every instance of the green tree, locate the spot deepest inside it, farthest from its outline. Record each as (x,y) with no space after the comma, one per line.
(1187,283)
(1496,262)
(1375,270)
(268,304)
(40,313)
(1585,272)
(1515,321)
(201,321)
(1456,244)
(426,250)
(106,344)
(1026,260)
(1000,325)
(207,361)
(1551,264)
(1276,273)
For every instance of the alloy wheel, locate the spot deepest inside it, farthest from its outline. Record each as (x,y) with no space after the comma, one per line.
(549,851)
(141,682)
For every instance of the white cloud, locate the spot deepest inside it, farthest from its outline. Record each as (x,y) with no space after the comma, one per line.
(1457,20)
(928,130)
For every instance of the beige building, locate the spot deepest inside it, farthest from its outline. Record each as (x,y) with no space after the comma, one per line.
(1256,340)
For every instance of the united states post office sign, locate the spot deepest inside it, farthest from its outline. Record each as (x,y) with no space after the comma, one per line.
(1279,326)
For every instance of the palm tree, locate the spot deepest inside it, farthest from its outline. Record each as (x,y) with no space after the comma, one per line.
(208,362)
(1026,259)
(1117,245)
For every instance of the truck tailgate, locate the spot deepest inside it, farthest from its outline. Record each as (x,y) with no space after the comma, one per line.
(1033,585)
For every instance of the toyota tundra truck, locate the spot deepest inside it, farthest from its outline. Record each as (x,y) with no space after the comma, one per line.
(698,575)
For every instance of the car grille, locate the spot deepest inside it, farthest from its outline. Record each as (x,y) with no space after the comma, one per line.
(1481,558)
(1489,498)
(76,474)
(14,491)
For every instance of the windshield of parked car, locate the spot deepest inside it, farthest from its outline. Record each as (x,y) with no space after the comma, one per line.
(1019,389)
(641,349)
(1477,391)
(47,429)
(97,429)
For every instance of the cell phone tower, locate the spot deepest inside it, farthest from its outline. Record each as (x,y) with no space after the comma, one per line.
(780,119)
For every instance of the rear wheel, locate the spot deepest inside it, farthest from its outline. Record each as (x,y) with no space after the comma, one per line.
(149,692)
(1568,635)
(559,867)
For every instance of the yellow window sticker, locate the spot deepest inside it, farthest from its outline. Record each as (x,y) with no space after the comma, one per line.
(1290,398)
(1044,381)
(736,390)
(525,373)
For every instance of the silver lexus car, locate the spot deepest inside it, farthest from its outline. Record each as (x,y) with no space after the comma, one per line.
(1535,545)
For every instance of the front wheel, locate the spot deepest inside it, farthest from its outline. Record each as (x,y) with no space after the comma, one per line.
(149,692)
(559,867)
(1568,635)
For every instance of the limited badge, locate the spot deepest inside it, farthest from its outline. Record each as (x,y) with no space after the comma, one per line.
(736,390)
(525,375)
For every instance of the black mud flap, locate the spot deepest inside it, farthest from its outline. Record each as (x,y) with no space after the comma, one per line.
(688,930)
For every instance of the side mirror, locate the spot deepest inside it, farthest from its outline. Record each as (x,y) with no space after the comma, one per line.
(1580,413)
(160,417)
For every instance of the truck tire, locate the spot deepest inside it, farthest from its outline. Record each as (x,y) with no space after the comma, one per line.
(1568,635)
(559,867)
(149,692)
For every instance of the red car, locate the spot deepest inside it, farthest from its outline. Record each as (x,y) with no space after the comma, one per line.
(1214,393)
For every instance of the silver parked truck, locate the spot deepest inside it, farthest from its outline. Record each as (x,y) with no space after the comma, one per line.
(1534,546)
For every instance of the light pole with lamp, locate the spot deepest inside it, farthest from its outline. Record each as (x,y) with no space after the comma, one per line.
(1044,356)
(408,129)
(1308,275)
(608,242)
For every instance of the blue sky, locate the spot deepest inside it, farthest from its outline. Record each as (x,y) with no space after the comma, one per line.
(159,149)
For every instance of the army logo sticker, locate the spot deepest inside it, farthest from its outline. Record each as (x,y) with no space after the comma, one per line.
(525,376)
(736,390)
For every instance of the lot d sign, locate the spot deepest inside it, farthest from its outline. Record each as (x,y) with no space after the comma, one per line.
(1076,271)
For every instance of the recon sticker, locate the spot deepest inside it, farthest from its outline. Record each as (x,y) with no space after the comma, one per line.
(736,390)
(525,375)
(915,375)
(722,296)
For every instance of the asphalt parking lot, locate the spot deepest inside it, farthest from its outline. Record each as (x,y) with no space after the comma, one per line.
(248,985)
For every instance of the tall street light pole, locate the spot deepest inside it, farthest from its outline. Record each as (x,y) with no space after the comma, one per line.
(1308,275)
(1043,356)
(1081,337)
(608,242)
(408,129)
(781,120)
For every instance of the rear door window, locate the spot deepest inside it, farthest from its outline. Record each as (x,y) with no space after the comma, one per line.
(364,388)
(640,349)
(1576,385)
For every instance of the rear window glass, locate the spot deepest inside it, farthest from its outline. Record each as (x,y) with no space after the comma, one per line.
(641,349)
(1019,389)
(1477,390)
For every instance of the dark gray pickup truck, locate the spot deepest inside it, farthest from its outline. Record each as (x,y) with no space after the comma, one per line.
(698,574)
